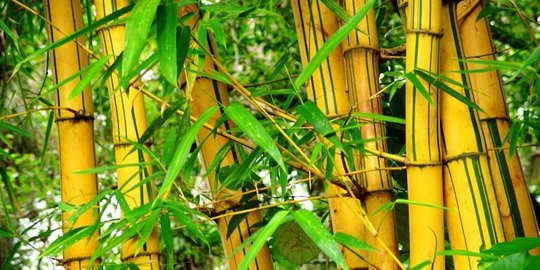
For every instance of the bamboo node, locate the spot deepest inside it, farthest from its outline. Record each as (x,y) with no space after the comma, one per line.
(425,31)
(77,116)
(141,254)
(360,47)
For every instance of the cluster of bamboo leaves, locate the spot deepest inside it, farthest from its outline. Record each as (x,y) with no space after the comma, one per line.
(277,137)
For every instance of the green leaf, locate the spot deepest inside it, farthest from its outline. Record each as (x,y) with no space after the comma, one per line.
(380,117)
(337,9)
(92,71)
(263,234)
(182,150)
(6,233)
(353,242)
(9,33)
(66,240)
(517,261)
(137,28)
(331,44)
(254,130)
(320,235)
(447,89)
(167,236)
(318,120)
(421,88)
(50,123)
(491,10)
(148,228)
(166,41)
(533,58)
(179,211)
(5,125)
(514,246)
(183,36)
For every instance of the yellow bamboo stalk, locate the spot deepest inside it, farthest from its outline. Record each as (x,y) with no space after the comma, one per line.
(75,130)
(315,23)
(129,123)
(513,197)
(424,173)
(469,189)
(208,93)
(361,52)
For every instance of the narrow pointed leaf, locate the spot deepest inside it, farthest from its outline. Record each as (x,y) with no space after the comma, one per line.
(260,241)
(351,241)
(166,41)
(318,120)
(419,86)
(137,28)
(182,150)
(92,71)
(320,235)
(254,130)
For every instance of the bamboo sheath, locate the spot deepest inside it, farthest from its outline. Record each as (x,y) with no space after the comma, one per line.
(327,88)
(423,146)
(129,123)
(513,197)
(361,52)
(469,188)
(75,130)
(208,93)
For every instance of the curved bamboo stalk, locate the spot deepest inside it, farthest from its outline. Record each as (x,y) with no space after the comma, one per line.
(425,183)
(75,130)
(469,189)
(129,123)
(327,88)
(513,197)
(361,52)
(208,93)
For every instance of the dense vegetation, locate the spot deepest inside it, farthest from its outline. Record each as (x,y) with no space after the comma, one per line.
(260,66)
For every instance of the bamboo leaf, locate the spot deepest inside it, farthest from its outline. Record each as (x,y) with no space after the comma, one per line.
(148,228)
(68,239)
(6,233)
(6,126)
(85,81)
(380,117)
(166,41)
(353,242)
(183,36)
(50,122)
(533,58)
(514,246)
(442,86)
(418,85)
(318,120)
(263,234)
(179,211)
(405,201)
(9,33)
(182,150)
(137,28)
(320,235)
(336,8)
(254,130)
(167,236)
(491,10)
(331,44)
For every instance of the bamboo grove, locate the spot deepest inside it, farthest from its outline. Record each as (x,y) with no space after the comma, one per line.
(303,169)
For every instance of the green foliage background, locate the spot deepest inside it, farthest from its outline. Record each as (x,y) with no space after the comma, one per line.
(258,46)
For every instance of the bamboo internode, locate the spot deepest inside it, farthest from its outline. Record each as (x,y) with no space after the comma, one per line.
(75,130)
(129,123)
